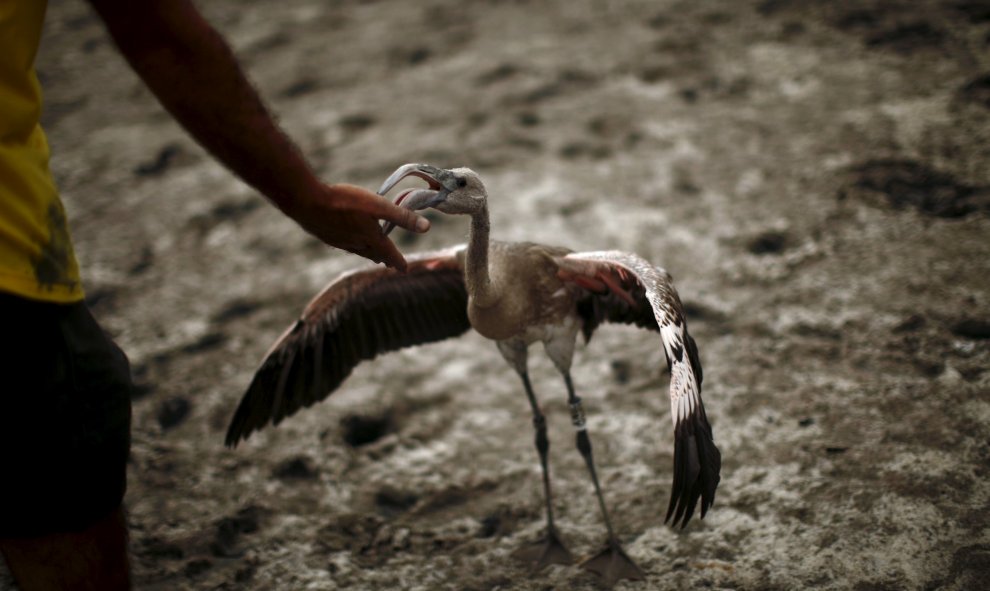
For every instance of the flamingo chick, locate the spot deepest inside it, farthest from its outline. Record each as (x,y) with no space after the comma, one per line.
(515,294)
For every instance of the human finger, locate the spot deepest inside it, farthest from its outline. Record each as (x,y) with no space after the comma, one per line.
(373,204)
(385,251)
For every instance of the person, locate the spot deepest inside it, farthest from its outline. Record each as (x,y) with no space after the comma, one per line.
(65,406)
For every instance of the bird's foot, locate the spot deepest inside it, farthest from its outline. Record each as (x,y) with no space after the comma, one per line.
(612,565)
(543,553)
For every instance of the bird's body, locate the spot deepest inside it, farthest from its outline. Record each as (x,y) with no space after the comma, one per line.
(516,294)
(530,295)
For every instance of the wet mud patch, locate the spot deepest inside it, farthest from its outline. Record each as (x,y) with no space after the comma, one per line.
(102,299)
(769,242)
(236,310)
(502,521)
(391,501)
(144,260)
(565,82)
(907,38)
(156,548)
(903,184)
(499,73)
(207,342)
(230,530)
(351,532)
(153,369)
(886,23)
(405,55)
(172,412)
(972,328)
(976,91)
(234,210)
(165,159)
(357,122)
(296,469)
(976,11)
(846,393)
(578,150)
(359,430)
(301,87)
(453,498)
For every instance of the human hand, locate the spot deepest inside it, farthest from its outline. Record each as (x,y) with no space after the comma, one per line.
(347,217)
(168,40)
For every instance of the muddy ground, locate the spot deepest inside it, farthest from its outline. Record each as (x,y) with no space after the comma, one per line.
(816,176)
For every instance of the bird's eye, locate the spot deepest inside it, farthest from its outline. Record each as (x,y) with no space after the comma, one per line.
(462,182)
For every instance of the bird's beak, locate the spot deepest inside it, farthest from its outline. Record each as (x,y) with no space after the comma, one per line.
(441,183)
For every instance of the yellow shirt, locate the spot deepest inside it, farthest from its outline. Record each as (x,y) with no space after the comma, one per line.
(36,256)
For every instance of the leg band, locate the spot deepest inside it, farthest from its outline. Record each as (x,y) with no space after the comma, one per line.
(577,414)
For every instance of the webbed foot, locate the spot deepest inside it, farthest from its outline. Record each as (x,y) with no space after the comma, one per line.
(612,565)
(543,553)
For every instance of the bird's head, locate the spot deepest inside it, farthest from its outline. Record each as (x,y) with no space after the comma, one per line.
(454,191)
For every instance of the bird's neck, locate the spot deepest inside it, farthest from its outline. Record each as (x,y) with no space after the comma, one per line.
(479,283)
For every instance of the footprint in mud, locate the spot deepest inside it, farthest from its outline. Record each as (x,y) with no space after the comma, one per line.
(970,566)
(901,184)
(567,81)
(453,496)
(229,531)
(235,210)
(196,567)
(158,549)
(972,328)
(501,72)
(142,375)
(975,11)
(102,299)
(503,521)
(145,259)
(621,371)
(162,161)
(391,501)
(357,122)
(206,342)
(976,91)
(907,38)
(351,532)
(528,119)
(360,430)
(236,309)
(579,150)
(172,412)
(300,87)
(892,28)
(409,56)
(230,210)
(295,469)
(769,242)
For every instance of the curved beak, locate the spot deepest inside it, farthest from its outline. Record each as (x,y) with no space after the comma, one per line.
(415,199)
(441,183)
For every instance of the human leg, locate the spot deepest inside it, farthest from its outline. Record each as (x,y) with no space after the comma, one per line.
(64,443)
(93,559)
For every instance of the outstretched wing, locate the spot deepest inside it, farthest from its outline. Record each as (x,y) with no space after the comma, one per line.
(623,287)
(357,316)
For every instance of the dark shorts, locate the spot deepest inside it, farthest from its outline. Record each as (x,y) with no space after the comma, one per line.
(65,417)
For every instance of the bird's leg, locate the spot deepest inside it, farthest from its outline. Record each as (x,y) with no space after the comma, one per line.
(550,550)
(612,563)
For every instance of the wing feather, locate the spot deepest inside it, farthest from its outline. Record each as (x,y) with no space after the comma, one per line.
(650,301)
(356,317)
(609,307)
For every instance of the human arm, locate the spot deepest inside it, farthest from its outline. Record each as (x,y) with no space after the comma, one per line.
(191,70)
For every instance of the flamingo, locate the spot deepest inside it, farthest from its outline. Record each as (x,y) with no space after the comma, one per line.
(515,294)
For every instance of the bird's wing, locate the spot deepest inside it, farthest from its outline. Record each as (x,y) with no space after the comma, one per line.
(357,316)
(623,287)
